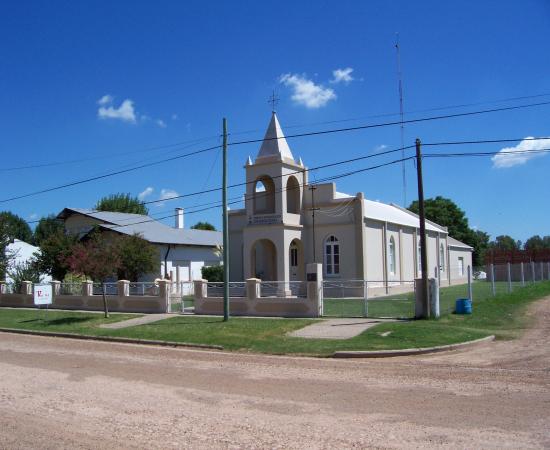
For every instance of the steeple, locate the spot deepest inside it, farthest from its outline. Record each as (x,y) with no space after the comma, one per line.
(274,145)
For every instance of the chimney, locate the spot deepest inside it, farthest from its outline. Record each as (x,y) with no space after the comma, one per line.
(179,218)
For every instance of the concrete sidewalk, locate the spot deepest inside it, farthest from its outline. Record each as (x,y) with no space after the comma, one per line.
(337,328)
(149,318)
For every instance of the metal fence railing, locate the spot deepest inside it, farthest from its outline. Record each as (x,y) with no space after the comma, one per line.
(366,298)
(70,289)
(110,288)
(144,289)
(283,289)
(236,289)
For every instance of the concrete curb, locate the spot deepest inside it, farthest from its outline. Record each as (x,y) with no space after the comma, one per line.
(411,351)
(121,340)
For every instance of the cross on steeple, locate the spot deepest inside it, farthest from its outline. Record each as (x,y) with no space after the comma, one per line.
(273,100)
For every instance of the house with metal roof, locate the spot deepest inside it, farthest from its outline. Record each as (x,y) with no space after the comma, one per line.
(182,252)
(288,222)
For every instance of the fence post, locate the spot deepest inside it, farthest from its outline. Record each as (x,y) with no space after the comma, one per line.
(87,288)
(493,280)
(123,288)
(253,288)
(522,275)
(533,271)
(548,270)
(434,297)
(541,271)
(164,294)
(26,287)
(470,290)
(365,298)
(2,287)
(509,270)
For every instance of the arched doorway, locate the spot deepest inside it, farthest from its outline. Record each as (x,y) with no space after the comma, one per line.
(264,195)
(293,195)
(296,260)
(263,260)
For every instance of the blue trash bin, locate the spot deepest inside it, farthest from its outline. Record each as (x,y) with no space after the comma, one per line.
(463,306)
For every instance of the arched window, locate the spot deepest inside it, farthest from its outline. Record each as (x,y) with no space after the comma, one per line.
(264,196)
(391,256)
(293,195)
(442,258)
(332,256)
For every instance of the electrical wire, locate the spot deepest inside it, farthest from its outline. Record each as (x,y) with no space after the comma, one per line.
(313,133)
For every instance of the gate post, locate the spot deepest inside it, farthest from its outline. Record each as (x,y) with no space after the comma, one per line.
(314,277)
(522,275)
(509,269)
(365,298)
(493,279)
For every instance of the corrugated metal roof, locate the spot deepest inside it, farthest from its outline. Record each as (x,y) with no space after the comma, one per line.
(150,229)
(394,214)
(452,242)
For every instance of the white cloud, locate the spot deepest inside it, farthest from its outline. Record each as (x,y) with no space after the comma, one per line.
(305,92)
(174,117)
(124,112)
(380,148)
(33,216)
(146,193)
(166,194)
(513,156)
(161,123)
(106,99)
(342,76)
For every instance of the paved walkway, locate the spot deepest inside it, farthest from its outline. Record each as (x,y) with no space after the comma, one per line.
(337,328)
(149,318)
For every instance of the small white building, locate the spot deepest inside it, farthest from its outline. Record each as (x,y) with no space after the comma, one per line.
(288,222)
(182,252)
(21,253)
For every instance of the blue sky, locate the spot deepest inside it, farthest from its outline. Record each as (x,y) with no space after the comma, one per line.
(111,80)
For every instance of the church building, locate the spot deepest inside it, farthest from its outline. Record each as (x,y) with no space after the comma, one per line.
(288,222)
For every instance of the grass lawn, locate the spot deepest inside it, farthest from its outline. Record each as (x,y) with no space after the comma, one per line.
(57,321)
(401,306)
(503,316)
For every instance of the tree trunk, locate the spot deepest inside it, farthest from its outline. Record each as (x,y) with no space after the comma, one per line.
(105,308)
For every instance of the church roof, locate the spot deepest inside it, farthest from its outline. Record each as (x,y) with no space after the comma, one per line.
(274,143)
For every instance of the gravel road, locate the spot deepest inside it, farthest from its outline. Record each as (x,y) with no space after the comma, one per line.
(62,393)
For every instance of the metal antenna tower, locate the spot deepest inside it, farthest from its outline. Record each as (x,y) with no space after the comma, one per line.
(399,74)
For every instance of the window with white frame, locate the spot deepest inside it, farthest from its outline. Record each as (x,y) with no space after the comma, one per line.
(460,266)
(293,255)
(332,256)
(442,258)
(391,256)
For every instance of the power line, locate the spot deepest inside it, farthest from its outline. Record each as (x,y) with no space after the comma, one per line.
(313,133)
(500,152)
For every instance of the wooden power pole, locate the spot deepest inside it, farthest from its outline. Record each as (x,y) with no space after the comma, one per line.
(423,244)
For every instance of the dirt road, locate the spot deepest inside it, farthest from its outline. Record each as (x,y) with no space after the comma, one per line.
(59,393)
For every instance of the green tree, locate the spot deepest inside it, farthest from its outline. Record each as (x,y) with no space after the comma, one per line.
(137,257)
(479,240)
(445,212)
(5,255)
(97,258)
(125,203)
(46,227)
(505,242)
(537,243)
(212,273)
(24,272)
(54,250)
(203,226)
(15,227)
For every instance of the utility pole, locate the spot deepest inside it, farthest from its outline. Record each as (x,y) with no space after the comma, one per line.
(225,229)
(423,246)
(313,209)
